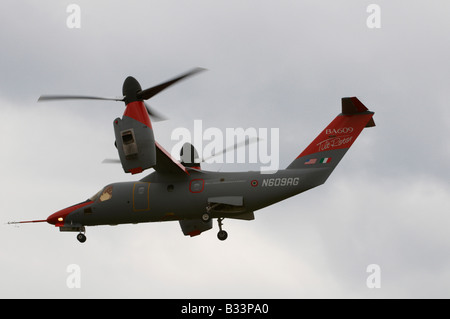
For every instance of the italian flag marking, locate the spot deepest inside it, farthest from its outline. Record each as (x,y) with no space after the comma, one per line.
(325,160)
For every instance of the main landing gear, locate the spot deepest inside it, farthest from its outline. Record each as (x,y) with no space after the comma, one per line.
(206,217)
(222,234)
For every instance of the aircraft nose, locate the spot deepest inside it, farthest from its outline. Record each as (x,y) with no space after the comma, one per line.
(58,219)
(52,219)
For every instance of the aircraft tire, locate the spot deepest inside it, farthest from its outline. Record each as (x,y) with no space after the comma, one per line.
(81,237)
(222,235)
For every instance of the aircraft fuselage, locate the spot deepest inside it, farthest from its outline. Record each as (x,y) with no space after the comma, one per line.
(162,198)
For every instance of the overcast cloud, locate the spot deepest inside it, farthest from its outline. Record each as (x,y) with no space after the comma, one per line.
(272,64)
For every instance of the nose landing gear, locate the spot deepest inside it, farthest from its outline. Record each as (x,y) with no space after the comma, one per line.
(222,234)
(81,236)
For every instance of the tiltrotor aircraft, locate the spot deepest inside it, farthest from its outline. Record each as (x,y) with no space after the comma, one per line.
(181,190)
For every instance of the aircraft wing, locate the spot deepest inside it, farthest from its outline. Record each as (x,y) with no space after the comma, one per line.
(166,164)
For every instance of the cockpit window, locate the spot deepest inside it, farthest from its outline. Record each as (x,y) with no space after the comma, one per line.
(106,194)
(94,198)
(103,195)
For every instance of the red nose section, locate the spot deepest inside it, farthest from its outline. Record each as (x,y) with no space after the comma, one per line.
(59,217)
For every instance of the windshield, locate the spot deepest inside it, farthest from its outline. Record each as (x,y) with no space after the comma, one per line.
(103,195)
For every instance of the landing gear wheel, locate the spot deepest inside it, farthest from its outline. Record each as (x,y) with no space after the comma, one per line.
(206,217)
(222,235)
(81,237)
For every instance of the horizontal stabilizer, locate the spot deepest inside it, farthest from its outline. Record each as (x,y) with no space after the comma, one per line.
(351,105)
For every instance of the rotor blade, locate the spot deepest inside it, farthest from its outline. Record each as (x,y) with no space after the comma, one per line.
(247,142)
(78,97)
(155,116)
(150,92)
(111,161)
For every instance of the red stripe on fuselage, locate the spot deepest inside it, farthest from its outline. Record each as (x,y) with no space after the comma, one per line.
(136,110)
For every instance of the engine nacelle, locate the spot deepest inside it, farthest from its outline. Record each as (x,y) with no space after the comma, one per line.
(136,145)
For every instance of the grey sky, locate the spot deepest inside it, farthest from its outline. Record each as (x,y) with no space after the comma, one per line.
(282,64)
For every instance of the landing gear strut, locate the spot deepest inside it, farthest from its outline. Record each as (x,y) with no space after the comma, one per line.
(222,234)
(81,236)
